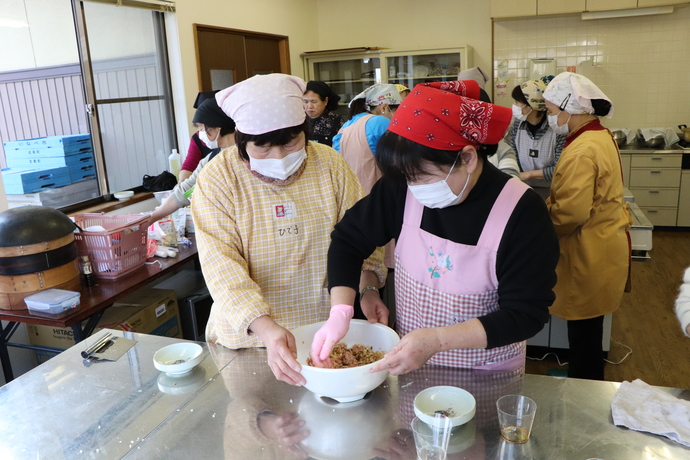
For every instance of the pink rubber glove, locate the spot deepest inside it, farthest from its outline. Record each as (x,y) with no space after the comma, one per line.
(331,333)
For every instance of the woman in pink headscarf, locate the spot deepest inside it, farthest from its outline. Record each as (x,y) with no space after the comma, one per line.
(262,235)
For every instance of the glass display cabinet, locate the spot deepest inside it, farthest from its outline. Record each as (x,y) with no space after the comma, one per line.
(411,67)
(349,72)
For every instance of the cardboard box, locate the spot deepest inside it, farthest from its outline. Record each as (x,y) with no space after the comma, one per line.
(147,311)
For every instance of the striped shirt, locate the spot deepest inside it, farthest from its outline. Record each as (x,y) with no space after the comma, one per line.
(263,247)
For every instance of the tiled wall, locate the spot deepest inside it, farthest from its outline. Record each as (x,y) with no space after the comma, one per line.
(642,64)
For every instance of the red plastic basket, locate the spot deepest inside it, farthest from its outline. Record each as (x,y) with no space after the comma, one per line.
(119,249)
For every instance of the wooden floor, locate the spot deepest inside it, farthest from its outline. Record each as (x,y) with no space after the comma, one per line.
(646,320)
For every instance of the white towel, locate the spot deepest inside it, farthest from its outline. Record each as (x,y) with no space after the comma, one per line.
(641,407)
(629,134)
(670,136)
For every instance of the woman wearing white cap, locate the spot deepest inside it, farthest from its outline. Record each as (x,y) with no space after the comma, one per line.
(591,219)
(537,146)
(262,237)
(370,113)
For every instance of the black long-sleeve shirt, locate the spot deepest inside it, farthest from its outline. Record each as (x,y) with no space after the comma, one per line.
(525,263)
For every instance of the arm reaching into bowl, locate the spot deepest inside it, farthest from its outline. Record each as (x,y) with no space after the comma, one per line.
(342,312)
(331,333)
(417,346)
(280,344)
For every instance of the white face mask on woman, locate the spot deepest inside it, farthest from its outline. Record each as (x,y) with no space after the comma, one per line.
(279,169)
(517,113)
(439,194)
(209,143)
(563,129)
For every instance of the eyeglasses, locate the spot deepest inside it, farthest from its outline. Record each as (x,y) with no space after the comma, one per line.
(564,103)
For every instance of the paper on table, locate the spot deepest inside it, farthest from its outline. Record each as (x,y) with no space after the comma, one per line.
(117,347)
(641,407)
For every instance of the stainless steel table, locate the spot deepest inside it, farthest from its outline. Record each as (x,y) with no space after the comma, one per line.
(127,409)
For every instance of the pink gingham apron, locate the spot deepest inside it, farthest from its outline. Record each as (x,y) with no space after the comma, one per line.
(440,283)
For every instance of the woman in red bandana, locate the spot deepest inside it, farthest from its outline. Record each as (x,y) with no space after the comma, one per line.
(476,250)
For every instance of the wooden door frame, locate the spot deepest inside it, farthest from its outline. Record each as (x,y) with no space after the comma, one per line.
(283,45)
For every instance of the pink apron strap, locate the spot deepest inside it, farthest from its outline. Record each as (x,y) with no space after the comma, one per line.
(500,214)
(413,211)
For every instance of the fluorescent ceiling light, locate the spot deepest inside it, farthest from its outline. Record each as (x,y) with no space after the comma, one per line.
(632,12)
(14,23)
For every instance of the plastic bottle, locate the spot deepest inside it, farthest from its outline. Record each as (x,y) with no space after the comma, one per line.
(175,163)
(87,269)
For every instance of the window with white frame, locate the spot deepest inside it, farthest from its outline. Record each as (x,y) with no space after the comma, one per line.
(92,107)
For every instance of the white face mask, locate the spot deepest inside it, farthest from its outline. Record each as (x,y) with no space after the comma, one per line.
(517,113)
(209,143)
(438,194)
(279,169)
(553,124)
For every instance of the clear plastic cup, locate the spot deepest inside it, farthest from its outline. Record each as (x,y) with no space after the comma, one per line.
(431,440)
(516,415)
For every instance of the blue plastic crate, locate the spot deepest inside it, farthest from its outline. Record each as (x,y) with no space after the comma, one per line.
(39,162)
(51,146)
(82,172)
(21,181)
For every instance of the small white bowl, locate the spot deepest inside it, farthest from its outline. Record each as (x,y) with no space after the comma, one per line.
(347,384)
(124,196)
(445,398)
(178,358)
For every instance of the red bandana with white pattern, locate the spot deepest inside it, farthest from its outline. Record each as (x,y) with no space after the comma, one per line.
(448,116)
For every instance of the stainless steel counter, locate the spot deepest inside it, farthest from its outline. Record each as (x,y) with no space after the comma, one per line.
(127,409)
(641,148)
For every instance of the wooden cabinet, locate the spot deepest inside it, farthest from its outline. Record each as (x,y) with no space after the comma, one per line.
(545,7)
(647,3)
(625,163)
(513,8)
(605,5)
(501,9)
(684,200)
(655,183)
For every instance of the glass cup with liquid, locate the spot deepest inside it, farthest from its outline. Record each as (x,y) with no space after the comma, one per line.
(515,416)
(431,439)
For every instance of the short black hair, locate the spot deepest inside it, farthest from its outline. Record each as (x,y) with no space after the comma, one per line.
(360,106)
(324,91)
(601,107)
(403,160)
(519,96)
(356,107)
(278,137)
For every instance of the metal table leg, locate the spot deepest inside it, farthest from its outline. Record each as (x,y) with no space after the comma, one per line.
(91,323)
(5,335)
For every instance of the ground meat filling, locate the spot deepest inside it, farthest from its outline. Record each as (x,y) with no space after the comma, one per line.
(343,357)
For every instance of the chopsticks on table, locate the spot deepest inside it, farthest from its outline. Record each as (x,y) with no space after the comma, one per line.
(96,347)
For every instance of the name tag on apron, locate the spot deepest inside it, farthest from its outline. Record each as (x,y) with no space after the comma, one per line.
(533,153)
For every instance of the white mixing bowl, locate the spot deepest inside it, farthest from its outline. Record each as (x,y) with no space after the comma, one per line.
(352,383)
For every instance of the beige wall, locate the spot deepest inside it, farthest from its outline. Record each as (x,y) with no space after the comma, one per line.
(407,24)
(642,64)
(295,18)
